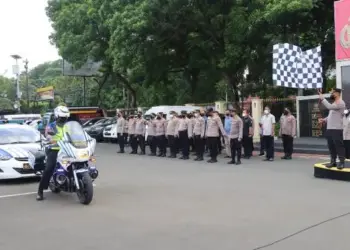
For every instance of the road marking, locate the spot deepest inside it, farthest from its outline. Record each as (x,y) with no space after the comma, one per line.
(20,194)
(24,194)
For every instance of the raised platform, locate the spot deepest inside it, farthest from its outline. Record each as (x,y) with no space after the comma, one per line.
(303,145)
(322,171)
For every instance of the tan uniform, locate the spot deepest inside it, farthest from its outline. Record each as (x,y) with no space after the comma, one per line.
(159,126)
(214,125)
(287,131)
(236,131)
(199,126)
(287,125)
(171,127)
(131,126)
(140,126)
(121,125)
(185,124)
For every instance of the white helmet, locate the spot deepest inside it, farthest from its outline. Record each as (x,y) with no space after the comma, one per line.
(61,111)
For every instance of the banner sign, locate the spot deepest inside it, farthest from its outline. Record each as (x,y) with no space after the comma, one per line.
(46,93)
(342,29)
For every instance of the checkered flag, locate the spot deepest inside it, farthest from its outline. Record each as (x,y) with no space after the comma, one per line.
(294,68)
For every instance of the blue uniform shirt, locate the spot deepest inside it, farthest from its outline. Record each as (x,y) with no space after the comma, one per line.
(228,122)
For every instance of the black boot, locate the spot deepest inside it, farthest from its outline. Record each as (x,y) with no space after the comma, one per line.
(341,165)
(332,164)
(40,195)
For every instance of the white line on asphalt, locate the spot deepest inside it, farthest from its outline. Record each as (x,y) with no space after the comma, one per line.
(24,194)
(16,195)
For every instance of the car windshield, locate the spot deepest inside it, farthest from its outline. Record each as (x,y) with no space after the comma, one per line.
(20,134)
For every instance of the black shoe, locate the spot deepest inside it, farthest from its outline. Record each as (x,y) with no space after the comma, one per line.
(152,154)
(200,159)
(133,153)
(261,154)
(231,162)
(212,161)
(238,162)
(185,158)
(172,156)
(163,155)
(160,155)
(332,164)
(196,159)
(288,157)
(142,153)
(40,196)
(246,157)
(268,159)
(341,165)
(227,156)
(284,157)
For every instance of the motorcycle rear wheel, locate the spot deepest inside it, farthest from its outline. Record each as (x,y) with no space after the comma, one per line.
(86,191)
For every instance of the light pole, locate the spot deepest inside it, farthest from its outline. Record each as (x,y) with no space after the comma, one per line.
(15,69)
(27,81)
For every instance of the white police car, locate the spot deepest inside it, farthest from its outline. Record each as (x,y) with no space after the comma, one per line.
(19,144)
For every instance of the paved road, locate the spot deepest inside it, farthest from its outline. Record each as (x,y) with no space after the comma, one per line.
(165,204)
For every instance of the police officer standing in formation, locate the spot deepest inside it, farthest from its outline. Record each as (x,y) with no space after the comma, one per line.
(227,125)
(198,135)
(248,133)
(151,135)
(236,135)
(132,136)
(160,128)
(184,131)
(171,133)
(120,131)
(287,132)
(334,132)
(214,127)
(267,124)
(140,130)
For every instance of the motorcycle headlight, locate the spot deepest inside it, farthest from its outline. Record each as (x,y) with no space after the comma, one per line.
(4,155)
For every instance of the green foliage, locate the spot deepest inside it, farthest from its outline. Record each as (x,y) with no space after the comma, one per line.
(179,51)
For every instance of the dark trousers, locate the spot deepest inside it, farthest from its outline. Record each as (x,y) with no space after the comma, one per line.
(151,140)
(51,162)
(133,143)
(247,143)
(177,144)
(219,144)
(121,142)
(172,145)
(336,144)
(262,145)
(184,143)
(213,146)
(161,144)
(141,143)
(125,135)
(269,146)
(236,149)
(287,141)
(347,149)
(199,145)
(192,144)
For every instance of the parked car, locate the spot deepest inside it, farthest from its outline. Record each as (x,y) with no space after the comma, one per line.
(110,132)
(96,131)
(18,145)
(92,121)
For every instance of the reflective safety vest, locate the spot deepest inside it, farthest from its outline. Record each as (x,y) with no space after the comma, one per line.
(59,134)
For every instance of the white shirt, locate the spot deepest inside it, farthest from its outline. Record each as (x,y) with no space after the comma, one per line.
(267,121)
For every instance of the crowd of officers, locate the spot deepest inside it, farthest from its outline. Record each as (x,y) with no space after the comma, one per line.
(198,131)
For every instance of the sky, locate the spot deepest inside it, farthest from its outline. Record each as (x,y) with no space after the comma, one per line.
(25,31)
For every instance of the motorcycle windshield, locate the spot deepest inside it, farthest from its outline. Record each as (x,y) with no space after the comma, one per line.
(75,135)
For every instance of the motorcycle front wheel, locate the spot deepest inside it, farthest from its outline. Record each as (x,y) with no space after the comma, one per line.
(86,191)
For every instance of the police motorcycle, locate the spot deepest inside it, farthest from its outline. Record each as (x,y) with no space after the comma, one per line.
(75,170)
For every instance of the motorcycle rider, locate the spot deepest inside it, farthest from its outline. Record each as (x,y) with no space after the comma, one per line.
(61,114)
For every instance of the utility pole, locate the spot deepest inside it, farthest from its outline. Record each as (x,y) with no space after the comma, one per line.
(16,71)
(27,81)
